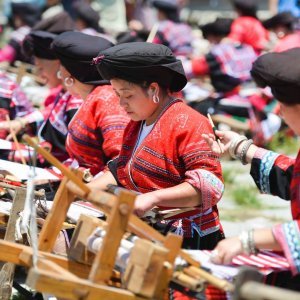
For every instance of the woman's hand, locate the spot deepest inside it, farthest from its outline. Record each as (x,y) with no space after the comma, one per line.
(14,125)
(226,137)
(143,203)
(226,250)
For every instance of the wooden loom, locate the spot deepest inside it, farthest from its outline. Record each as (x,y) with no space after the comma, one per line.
(148,273)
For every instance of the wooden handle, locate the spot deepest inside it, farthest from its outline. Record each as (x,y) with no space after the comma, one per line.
(56,163)
(187,281)
(215,281)
(16,141)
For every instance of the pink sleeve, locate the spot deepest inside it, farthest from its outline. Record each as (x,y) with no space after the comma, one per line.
(288,236)
(7,53)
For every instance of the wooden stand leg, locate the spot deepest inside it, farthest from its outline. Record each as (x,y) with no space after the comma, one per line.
(104,261)
(8,269)
(56,217)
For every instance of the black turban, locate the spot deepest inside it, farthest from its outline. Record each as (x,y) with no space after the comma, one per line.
(86,13)
(284,19)
(168,7)
(76,51)
(140,61)
(28,12)
(220,27)
(281,72)
(57,24)
(38,43)
(165,5)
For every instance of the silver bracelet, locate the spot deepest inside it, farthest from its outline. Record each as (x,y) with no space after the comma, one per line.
(243,154)
(234,144)
(247,241)
(243,237)
(251,243)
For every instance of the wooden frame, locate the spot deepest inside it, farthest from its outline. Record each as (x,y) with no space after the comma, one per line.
(69,279)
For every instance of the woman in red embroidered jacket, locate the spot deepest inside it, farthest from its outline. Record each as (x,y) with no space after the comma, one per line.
(273,173)
(163,156)
(50,123)
(96,131)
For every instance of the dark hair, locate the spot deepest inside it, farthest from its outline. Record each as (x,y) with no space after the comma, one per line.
(220,27)
(246,7)
(285,19)
(29,13)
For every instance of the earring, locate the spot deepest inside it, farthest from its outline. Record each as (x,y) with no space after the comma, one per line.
(69,81)
(155,99)
(58,74)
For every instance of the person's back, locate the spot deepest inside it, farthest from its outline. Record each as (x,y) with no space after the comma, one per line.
(176,36)
(171,31)
(229,64)
(249,30)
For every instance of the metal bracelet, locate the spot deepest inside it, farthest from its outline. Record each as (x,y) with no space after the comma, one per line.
(242,156)
(251,242)
(234,144)
(244,237)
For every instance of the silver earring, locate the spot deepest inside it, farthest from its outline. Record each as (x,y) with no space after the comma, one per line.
(58,74)
(68,81)
(155,99)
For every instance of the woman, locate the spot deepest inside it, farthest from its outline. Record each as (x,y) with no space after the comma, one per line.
(171,31)
(24,16)
(86,18)
(95,133)
(283,25)
(52,122)
(273,173)
(163,156)
(228,65)
(246,28)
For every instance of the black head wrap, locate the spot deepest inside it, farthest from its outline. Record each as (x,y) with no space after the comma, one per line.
(28,12)
(281,72)
(38,43)
(85,12)
(168,7)
(281,19)
(220,27)
(57,24)
(140,61)
(76,50)
(132,36)
(246,7)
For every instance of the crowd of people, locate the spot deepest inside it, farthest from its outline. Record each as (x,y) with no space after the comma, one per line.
(116,107)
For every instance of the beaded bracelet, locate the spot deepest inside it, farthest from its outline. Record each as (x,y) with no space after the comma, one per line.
(242,156)
(234,144)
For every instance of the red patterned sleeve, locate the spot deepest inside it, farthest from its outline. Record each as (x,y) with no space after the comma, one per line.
(203,168)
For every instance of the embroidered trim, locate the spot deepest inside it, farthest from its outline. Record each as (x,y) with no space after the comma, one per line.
(292,235)
(209,185)
(266,165)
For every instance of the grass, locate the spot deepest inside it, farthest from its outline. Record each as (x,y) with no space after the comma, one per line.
(246,196)
(284,143)
(228,176)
